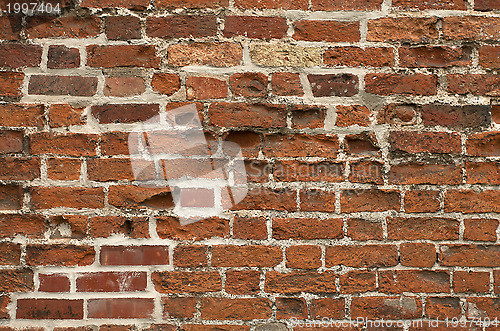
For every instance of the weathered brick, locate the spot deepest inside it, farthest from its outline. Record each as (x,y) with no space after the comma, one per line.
(190,256)
(134,255)
(369,200)
(418,255)
(171,4)
(11,84)
(249,228)
(485,5)
(111,282)
(63,169)
(272,4)
(291,171)
(483,173)
(10,254)
(323,31)
(249,84)
(443,307)
(471,28)
(345,85)
(235,309)
(361,256)
(124,86)
(170,228)
(187,282)
(434,57)
(111,56)
(479,84)
(357,281)
(61,309)
(393,84)
(104,226)
(226,54)
(357,57)
(300,281)
(19,168)
(414,281)
(247,115)
(255,27)
(307,228)
(480,229)
(63,85)
(62,27)
(201,88)
(59,255)
(420,201)
(71,144)
(422,228)
(70,197)
(470,255)
(181,26)
(468,201)
(361,229)
(60,57)
(124,113)
(30,226)
(181,307)
(303,257)
(421,173)
(405,307)
(422,5)
(426,142)
(327,307)
(285,55)
(120,308)
(484,144)
(22,115)
(137,5)
(61,115)
(471,281)
(166,83)
(346,5)
(286,84)
(413,29)
(10,27)
(15,55)
(291,308)
(122,27)
(245,256)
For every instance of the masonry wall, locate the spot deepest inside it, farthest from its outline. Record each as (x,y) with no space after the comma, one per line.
(370,130)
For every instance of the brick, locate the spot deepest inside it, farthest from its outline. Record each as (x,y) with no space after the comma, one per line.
(170,228)
(327,307)
(485,5)
(344,85)
(105,226)
(367,172)
(62,27)
(249,84)
(202,88)
(286,84)
(63,85)
(285,55)
(470,255)
(242,282)
(300,145)
(307,228)
(308,116)
(300,281)
(60,57)
(375,307)
(369,200)
(358,57)
(11,141)
(487,84)
(114,143)
(291,308)
(468,201)
(136,197)
(480,229)
(357,282)
(122,27)
(471,28)
(246,256)
(422,228)
(322,31)
(255,27)
(187,282)
(11,84)
(235,309)
(361,229)
(471,281)
(423,5)
(124,86)
(212,327)
(269,4)
(248,141)
(30,226)
(59,255)
(359,5)
(418,255)
(110,56)
(419,201)
(456,116)
(425,142)
(483,173)
(485,307)
(70,197)
(111,282)
(421,173)
(317,200)
(303,257)
(443,307)
(489,58)
(394,84)
(181,307)
(363,144)
(496,281)
(124,113)
(19,168)
(11,197)
(361,256)
(61,309)
(65,115)
(258,171)
(15,55)
(172,4)
(434,57)
(483,144)
(120,308)
(414,281)
(268,199)
(413,29)
(134,255)
(181,26)
(135,5)
(397,114)
(353,115)
(53,283)
(249,228)
(10,27)
(18,280)
(21,115)
(63,169)
(225,54)
(165,83)
(190,256)
(10,254)
(325,171)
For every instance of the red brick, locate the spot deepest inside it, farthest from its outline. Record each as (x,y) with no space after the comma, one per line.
(418,255)
(122,27)
(136,5)
(63,169)
(249,84)
(272,4)
(480,84)
(114,143)
(11,141)
(480,229)
(268,199)
(300,145)
(212,327)
(60,57)
(49,309)
(468,201)
(247,115)
(358,57)
(361,256)
(422,5)
(485,5)
(65,115)
(110,56)
(434,57)
(291,308)
(248,141)
(15,55)
(11,197)
(19,280)
(201,88)
(10,254)
(303,257)
(357,282)
(393,84)
(325,171)
(62,27)
(173,4)
(484,144)
(399,114)
(419,201)
(105,226)
(471,281)
(422,173)
(124,113)
(353,115)
(317,200)
(346,5)
(249,228)
(242,282)
(246,256)
(377,307)
(307,228)
(63,85)
(300,281)
(343,85)
(10,27)
(59,255)
(4,302)
(182,307)
(124,86)
(170,228)
(136,197)
(255,27)
(485,307)
(30,226)
(224,54)
(470,255)
(327,307)
(134,255)
(363,144)
(70,197)
(235,309)
(471,28)
(414,281)
(367,172)
(422,228)
(286,84)
(413,29)
(103,170)
(443,307)
(21,115)
(111,282)
(11,84)
(425,142)
(120,308)
(181,26)
(165,83)
(369,200)
(53,283)
(489,58)
(190,256)
(456,117)
(496,281)
(361,229)
(322,31)
(19,168)
(187,282)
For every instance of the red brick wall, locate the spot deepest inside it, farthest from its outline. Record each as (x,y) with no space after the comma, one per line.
(371,133)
